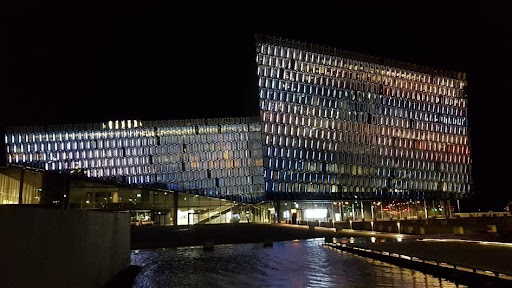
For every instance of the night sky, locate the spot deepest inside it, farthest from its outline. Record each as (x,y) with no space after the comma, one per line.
(67,62)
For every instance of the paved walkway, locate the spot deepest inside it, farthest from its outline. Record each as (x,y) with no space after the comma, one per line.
(496,258)
(460,250)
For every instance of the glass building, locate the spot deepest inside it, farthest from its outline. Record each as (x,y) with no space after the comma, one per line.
(210,157)
(340,136)
(341,126)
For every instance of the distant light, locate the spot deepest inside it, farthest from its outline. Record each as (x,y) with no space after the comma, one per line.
(138,195)
(315,213)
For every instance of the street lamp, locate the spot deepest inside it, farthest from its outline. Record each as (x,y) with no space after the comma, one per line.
(165,207)
(398,225)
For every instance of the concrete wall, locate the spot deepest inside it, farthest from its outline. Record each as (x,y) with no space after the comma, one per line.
(46,247)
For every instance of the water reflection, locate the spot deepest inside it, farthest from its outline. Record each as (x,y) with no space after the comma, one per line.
(302,263)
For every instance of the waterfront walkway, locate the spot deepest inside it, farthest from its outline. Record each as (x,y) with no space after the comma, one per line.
(466,259)
(486,256)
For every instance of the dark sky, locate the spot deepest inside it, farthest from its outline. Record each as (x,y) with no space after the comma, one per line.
(67,62)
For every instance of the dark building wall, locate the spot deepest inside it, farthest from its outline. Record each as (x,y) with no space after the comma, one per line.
(46,247)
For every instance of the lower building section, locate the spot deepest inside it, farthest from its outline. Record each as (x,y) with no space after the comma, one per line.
(150,205)
(330,212)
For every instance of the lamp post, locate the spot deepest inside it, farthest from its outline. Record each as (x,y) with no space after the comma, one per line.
(353,212)
(340,205)
(165,207)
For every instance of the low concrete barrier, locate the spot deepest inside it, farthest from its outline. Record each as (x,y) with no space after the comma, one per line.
(44,247)
(469,225)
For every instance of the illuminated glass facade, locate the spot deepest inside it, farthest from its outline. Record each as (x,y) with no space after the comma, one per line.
(333,126)
(210,157)
(337,125)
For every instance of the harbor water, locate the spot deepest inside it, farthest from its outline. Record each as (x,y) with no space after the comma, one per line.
(298,263)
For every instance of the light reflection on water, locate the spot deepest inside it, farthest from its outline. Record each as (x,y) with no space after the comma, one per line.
(303,263)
